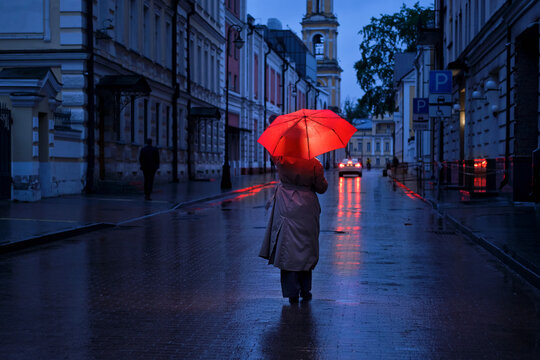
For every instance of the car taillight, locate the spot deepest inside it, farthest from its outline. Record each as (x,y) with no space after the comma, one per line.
(357,165)
(341,165)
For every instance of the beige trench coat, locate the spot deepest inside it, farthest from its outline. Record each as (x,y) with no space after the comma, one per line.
(291,241)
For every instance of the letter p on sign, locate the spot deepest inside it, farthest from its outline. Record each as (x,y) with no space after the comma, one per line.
(440,82)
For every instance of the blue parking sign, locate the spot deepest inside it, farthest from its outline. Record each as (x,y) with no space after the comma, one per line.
(420,106)
(440,82)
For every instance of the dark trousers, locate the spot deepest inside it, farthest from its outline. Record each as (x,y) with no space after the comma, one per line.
(294,283)
(148,181)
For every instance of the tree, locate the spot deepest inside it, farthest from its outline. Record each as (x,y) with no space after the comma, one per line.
(382,39)
(354,110)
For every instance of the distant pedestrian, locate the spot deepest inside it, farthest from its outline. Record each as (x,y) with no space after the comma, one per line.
(395,164)
(149,160)
(291,242)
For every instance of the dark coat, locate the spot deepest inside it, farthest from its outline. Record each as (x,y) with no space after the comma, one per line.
(291,241)
(149,158)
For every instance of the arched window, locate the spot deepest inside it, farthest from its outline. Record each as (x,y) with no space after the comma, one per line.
(318,46)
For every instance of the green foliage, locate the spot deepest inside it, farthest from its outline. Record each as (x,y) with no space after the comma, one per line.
(382,39)
(355,110)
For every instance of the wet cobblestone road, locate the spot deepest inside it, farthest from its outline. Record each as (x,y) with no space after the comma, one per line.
(393,282)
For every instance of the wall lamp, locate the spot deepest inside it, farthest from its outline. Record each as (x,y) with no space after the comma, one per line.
(489,87)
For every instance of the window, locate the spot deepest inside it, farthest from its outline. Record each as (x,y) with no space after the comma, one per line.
(145,121)
(360,146)
(318,47)
(146,31)
(181,52)
(278,82)
(133,25)
(206,73)
(378,147)
(387,147)
(168,45)
(256,76)
(368,146)
(119,21)
(266,83)
(157,40)
(212,74)
(272,86)
(199,68)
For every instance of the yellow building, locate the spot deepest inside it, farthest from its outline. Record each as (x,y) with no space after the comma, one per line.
(319,32)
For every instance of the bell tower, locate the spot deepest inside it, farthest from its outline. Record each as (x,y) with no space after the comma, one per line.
(319,32)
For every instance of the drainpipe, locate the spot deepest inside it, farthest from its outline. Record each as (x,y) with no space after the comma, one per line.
(188,88)
(264,100)
(284,68)
(175,95)
(90,88)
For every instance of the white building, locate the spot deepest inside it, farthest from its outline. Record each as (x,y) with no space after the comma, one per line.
(405,78)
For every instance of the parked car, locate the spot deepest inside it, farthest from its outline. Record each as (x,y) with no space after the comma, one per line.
(350,166)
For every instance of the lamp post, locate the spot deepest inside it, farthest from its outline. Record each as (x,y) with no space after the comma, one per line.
(238,43)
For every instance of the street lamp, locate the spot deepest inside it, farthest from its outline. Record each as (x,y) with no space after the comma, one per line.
(238,43)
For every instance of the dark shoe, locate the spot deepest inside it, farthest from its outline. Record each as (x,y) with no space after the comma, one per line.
(307,297)
(293,300)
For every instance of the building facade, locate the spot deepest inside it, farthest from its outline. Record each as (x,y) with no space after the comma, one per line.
(42,86)
(492,49)
(373,141)
(84,84)
(405,87)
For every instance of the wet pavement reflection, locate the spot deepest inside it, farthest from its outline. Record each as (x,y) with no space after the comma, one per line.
(393,282)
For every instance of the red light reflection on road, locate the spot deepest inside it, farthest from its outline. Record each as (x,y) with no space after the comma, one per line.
(346,252)
(244,192)
(411,194)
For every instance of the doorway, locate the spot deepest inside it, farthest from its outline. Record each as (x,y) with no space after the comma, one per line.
(526,111)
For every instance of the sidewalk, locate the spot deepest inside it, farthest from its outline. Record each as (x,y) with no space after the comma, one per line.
(509,230)
(24,223)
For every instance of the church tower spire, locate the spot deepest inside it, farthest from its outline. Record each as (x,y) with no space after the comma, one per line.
(319,32)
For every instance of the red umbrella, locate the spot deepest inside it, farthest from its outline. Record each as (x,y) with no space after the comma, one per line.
(306,133)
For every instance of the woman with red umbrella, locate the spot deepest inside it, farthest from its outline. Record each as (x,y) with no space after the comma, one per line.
(291,241)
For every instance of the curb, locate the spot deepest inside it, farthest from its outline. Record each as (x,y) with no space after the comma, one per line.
(54,236)
(61,235)
(531,276)
(528,274)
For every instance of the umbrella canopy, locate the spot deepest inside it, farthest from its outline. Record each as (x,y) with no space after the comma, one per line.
(306,133)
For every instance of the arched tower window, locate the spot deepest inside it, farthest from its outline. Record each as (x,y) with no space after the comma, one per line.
(318,46)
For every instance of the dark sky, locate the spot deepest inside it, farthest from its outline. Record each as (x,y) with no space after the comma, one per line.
(352,16)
